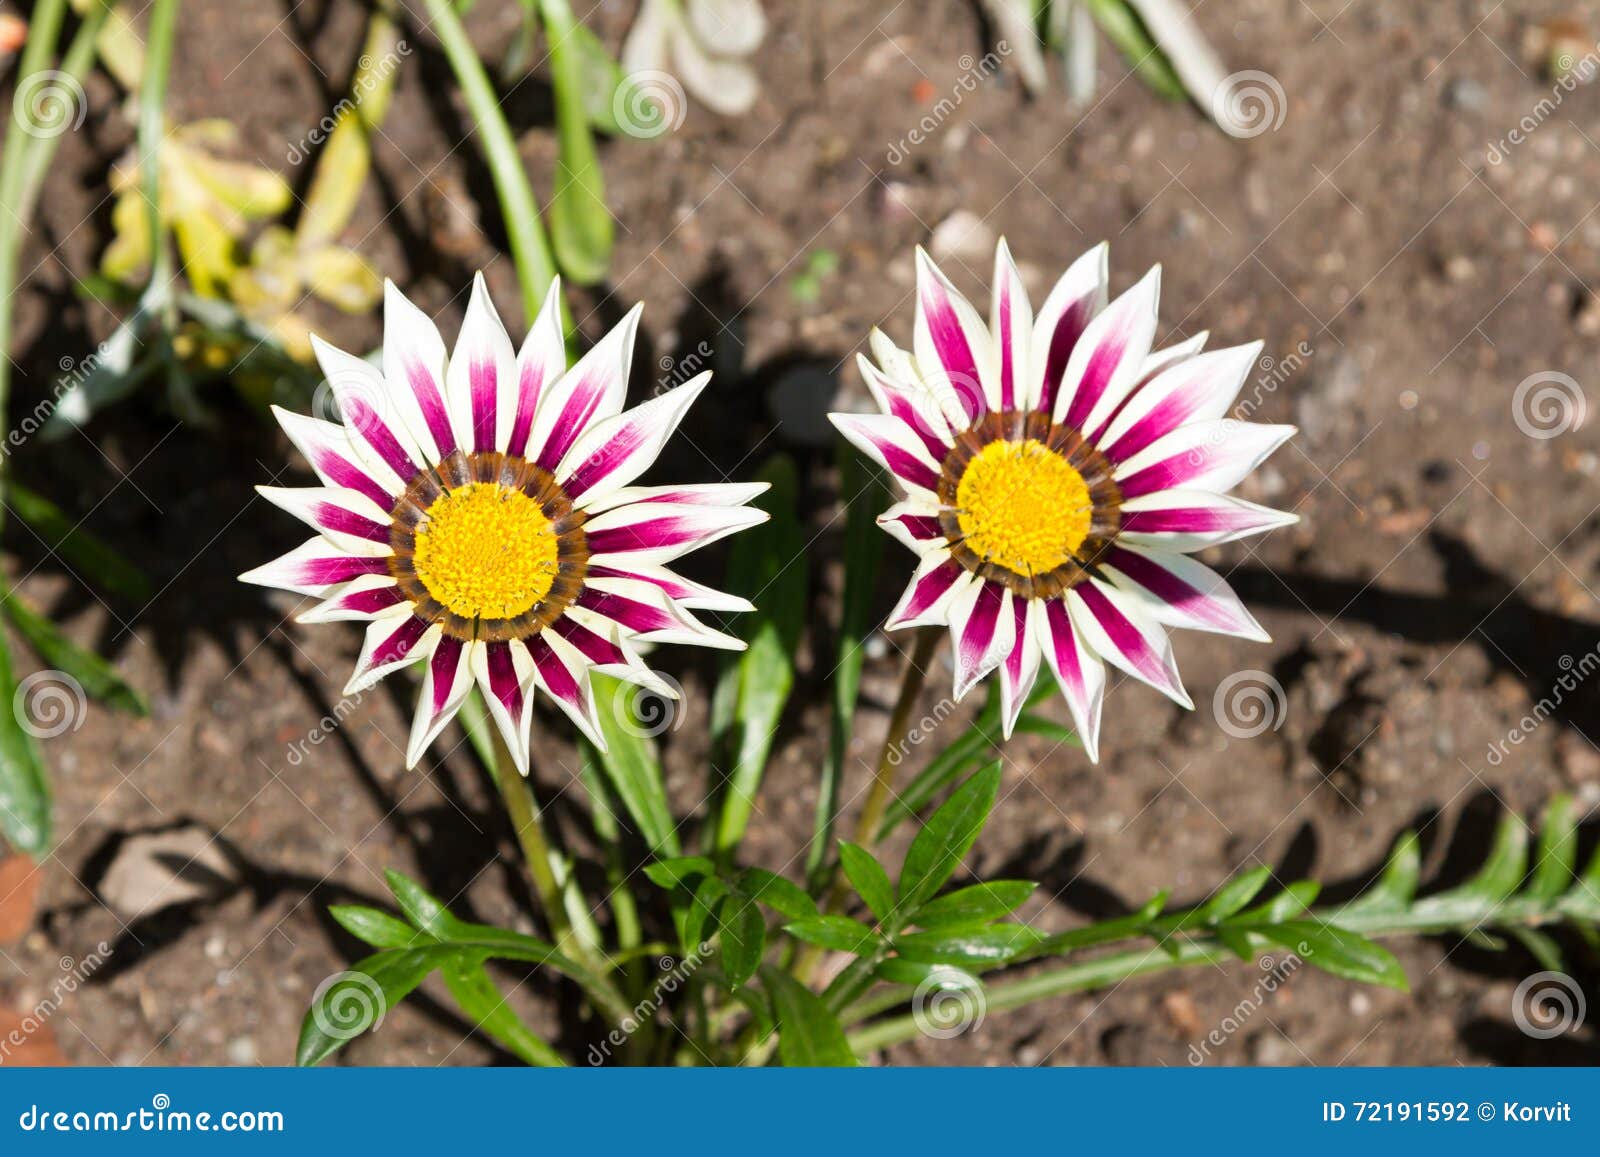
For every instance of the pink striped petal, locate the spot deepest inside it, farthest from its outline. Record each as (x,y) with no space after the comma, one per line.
(1011,323)
(1197,389)
(704,494)
(680,590)
(954,353)
(1201,456)
(1108,359)
(661,531)
(313,567)
(481,382)
(930,594)
(1021,666)
(913,404)
(504,671)
(617,450)
(895,446)
(414,366)
(392,641)
(1078,671)
(541,361)
(1190,520)
(332,454)
(1117,627)
(913,523)
(1181,592)
(445,684)
(562,674)
(370,409)
(343,515)
(589,392)
(982,628)
(1077,297)
(362,599)
(644,610)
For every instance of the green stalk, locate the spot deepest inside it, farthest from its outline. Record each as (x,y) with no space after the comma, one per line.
(153,129)
(530,249)
(75,64)
(518,797)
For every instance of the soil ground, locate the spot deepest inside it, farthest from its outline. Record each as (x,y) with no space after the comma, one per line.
(1436,587)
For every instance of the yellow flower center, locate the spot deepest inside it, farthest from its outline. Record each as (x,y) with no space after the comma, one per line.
(486,552)
(1022,506)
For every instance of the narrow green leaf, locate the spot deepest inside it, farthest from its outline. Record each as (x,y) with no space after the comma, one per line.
(1501,872)
(1557,854)
(421,908)
(1397,887)
(480,998)
(782,896)
(809,1036)
(692,928)
(85,554)
(581,229)
(973,905)
(99,679)
(631,766)
(1144,56)
(602,77)
(1105,932)
(24,789)
(1295,899)
(1236,942)
(940,847)
(1232,896)
(1541,947)
(679,870)
(360,998)
(767,564)
(376,928)
(1336,950)
(995,944)
(868,878)
(743,938)
(839,933)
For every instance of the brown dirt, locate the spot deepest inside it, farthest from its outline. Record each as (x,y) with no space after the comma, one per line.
(1424,604)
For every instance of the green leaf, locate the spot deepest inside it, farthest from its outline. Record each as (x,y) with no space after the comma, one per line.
(99,679)
(481,999)
(602,77)
(809,1036)
(1286,905)
(1232,896)
(1557,854)
(839,933)
(376,928)
(940,847)
(1500,874)
(863,548)
(631,766)
(1541,947)
(692,928)
(679,870)
(974,905)
(767,564)
(782,896)
(1236,942)
(995,944)
(1143,55)
(1397,887)
(1336,950)
(744,938)
(24,790)
(581,229)
(897,970)
(362,997)
(85,554)
(868,878)
(420,907)
(1105,932)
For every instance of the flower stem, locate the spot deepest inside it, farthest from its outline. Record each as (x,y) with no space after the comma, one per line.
(535,848)
(894,741)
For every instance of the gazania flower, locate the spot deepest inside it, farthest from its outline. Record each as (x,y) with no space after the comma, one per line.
(1058,473)
(478,515)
